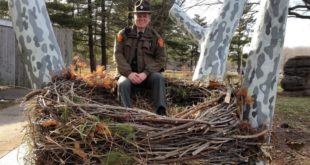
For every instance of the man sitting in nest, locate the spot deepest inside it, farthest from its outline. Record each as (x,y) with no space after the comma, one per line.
(140,58)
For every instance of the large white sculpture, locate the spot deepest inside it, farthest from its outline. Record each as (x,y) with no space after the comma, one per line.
(36,40)
(261,73)
(262,68)
(214,42)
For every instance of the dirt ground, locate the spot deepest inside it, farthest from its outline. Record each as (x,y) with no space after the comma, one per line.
(291,137)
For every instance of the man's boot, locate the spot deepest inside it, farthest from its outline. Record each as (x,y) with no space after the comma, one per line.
(161,111)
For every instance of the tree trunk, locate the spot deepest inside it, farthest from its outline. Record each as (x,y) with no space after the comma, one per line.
(163,16)
(36,41)
(92,58)
(262,67)
(215,44)
(196,32)
(103,35)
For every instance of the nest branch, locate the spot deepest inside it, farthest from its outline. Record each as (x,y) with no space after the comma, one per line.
(72,123)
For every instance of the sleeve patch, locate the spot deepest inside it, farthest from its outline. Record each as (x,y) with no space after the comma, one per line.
(119,37)
(160,42)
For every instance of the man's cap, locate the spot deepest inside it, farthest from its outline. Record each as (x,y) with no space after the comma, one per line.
(142,6)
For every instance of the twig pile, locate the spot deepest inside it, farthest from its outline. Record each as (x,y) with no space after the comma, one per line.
(71,123)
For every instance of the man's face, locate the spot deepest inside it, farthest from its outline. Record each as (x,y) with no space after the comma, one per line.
(142,20)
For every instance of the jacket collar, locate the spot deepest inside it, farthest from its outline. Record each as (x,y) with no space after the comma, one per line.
(147,32)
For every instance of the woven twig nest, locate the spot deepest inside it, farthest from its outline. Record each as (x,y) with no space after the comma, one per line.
(72,123)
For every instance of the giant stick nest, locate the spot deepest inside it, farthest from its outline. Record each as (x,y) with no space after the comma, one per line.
(77,120)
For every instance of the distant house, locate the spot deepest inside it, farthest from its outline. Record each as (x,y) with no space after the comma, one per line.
(12,70)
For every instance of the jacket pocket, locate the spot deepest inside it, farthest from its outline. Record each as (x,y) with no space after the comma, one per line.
(146,47)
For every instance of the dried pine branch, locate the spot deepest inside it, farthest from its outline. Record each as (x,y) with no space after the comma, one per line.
(72,123)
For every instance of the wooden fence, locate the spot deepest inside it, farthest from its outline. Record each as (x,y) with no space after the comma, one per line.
(12,71)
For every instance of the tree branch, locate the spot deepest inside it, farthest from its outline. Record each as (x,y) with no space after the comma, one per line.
(297,15)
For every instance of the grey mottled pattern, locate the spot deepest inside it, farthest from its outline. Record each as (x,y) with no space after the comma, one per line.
(215,44)
(213,63)
(36,40)
(194,30)
(261,72)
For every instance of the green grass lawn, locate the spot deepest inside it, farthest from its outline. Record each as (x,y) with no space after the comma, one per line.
(293,104)
(294,111)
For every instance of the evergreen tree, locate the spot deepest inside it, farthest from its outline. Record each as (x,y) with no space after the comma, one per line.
(180,48)
(64,15)
(92,58)
(242,38)
(72,14)
(103,33)
(4,9)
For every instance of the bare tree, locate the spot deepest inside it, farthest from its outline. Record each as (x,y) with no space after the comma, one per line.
(300,10)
